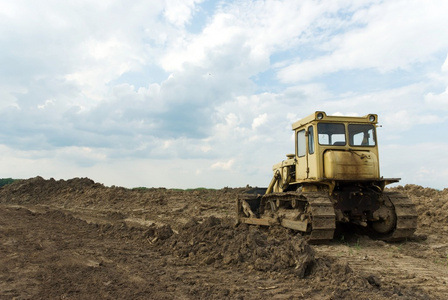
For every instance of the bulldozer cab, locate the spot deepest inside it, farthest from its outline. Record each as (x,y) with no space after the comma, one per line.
(333,148)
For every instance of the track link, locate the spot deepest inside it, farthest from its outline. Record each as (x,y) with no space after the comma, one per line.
(323,218)
(320,222)
(315,214)
(406,216)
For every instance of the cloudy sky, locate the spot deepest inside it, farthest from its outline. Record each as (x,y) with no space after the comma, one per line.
(202,93)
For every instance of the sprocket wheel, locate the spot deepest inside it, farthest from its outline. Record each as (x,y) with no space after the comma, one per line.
(387,223)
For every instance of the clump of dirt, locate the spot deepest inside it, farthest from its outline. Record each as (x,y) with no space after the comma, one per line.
(219,243)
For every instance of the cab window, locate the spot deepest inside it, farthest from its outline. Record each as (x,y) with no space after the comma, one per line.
(301,143)
(331,134)
(361,134)
(310,140)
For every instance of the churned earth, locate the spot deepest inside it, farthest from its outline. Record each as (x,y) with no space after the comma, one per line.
(78,239)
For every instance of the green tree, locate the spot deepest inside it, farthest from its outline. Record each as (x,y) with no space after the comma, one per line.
(5,181)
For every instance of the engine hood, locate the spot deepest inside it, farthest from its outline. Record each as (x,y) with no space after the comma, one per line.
(350,165)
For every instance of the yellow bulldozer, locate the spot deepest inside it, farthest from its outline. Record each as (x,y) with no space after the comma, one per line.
(332,178)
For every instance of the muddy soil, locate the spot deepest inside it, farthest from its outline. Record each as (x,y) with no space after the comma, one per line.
(78,239)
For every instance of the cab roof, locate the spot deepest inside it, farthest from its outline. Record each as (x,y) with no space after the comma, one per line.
(322,116)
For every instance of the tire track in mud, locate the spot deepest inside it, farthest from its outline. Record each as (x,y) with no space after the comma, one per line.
(401,265)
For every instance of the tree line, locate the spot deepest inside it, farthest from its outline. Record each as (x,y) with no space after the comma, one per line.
(5,181)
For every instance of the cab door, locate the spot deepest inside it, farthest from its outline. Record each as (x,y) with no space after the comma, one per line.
(312,163)
(305,153)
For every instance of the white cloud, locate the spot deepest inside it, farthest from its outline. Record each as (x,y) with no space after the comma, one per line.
(223,165)
(445,65)
(418,163)
(438,101)
(390,35)
(108,88)
(258,121)
(180,12)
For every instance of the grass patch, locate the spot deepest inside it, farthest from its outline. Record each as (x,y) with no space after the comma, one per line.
(142,188)
(193,190)
(5,181)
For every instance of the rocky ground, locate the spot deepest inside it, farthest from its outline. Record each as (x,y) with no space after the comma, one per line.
(78,239)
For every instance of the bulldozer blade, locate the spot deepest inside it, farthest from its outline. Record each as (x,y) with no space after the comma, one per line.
(295,225)
(259,221)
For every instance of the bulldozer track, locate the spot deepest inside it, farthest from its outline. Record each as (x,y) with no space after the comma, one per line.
(323,219)
(406,216)
(319,222)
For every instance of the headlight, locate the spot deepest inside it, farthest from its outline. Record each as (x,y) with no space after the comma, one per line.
(372,118)
(320,116)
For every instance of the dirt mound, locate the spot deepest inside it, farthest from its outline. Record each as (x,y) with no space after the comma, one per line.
(277,252)
(432,207)
(39,190)
(77,238)
(217,242)
(55,255)
(139,205)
